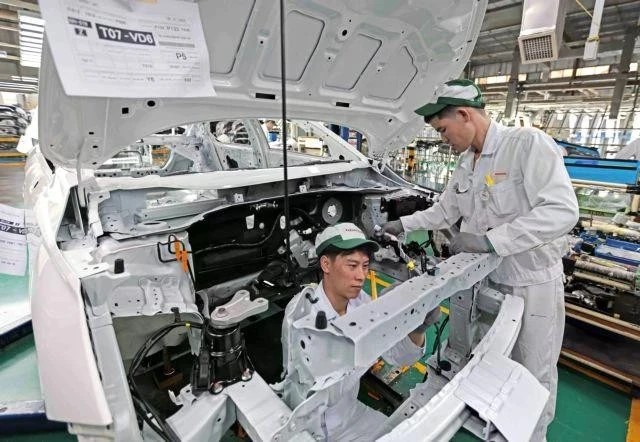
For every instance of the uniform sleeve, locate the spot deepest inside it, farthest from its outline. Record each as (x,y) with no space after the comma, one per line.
(629,151)
(439,216)
(404,353)
(550,194)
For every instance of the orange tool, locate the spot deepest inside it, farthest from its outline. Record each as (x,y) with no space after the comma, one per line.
(182,256)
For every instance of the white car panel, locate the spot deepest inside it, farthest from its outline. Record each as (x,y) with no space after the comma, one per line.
(406,49)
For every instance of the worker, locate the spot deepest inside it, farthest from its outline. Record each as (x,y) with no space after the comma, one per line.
(630,151)
(344,253)
(268,127)
(514,198)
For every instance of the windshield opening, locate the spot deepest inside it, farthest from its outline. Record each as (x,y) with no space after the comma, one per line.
(231,144)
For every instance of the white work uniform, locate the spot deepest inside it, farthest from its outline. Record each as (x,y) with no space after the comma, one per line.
(345,419)
(630,151)
(519,194)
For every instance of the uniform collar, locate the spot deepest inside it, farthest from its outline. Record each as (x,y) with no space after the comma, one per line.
(325,305)
(488,148)
(490,140)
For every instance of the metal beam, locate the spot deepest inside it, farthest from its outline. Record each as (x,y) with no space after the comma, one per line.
(9,45)
(512,89)
(21,5)
(6,14)
(8,67)
(623,69)
(9,28)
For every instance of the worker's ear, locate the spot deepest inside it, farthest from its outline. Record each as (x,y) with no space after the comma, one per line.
(463,114)
(324,263)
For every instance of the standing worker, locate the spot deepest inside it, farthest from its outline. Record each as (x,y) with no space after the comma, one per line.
(515,198)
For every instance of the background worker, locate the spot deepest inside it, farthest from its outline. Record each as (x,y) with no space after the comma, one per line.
(267,127)
(515,198)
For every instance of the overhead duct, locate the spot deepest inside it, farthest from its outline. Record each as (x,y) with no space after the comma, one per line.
(541,30)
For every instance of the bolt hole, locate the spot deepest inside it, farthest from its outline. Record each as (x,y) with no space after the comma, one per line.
(151,103)
(344,32)
(352,324)
(124,111)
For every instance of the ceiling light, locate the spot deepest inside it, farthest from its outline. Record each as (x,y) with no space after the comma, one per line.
(32,50)
(30,40)
(31,34)
(30,46)
(27,18)
(17,86)
(31,28)
(28,27)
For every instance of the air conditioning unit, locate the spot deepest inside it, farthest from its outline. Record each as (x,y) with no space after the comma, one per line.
(541,30)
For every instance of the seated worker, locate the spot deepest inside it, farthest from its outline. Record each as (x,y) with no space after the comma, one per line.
(344,253)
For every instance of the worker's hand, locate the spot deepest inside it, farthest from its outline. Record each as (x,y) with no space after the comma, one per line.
(431,318)
(468,242)
(393,227)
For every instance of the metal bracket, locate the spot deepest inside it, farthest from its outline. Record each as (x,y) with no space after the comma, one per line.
(240,307)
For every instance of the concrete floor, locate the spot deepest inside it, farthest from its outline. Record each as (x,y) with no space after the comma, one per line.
(11,179)
(586,410)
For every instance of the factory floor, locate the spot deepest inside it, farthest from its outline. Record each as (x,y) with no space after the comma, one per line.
(587,410)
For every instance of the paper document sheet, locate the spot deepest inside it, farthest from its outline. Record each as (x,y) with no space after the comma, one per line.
(13,241)
(135,49)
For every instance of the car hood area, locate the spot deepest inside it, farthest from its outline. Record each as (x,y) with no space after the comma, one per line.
(363,64)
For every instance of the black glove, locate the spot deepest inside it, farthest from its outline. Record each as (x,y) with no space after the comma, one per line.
(393,227)
(469,242)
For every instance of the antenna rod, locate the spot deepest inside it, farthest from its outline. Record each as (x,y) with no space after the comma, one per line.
(283,77)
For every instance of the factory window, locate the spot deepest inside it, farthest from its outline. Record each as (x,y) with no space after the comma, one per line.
(633,67)
(493,79)
(592,70)
(561,73)
(497,79)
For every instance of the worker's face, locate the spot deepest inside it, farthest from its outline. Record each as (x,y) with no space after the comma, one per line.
(345,274)
(455,129)
(270,125)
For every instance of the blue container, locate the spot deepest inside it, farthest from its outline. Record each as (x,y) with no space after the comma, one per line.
(626,245)
(617,254)
(603,170)
(273,136)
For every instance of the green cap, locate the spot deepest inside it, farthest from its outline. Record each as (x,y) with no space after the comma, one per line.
(453,93)
(344,236)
